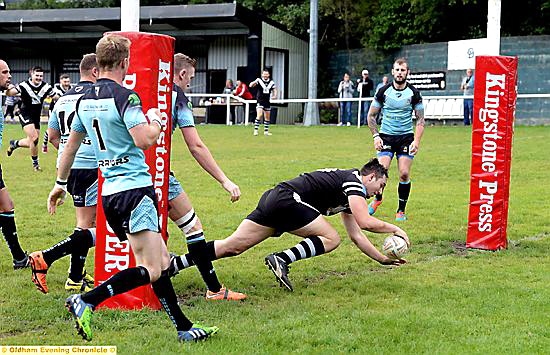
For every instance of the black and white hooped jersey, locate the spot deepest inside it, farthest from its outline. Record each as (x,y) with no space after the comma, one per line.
(327,190)
(59,90)
(264,89)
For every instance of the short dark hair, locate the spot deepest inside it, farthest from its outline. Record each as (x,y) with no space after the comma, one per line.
(374,166)
(64,76)
(37,69)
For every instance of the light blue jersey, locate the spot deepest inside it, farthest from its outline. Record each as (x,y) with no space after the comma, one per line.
(61,118)
(182,109)
(1,123)
(106,112)
(397,108)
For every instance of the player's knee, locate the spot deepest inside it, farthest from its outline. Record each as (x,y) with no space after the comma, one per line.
(154,271)
(35,140)
(331,242)
(404,176)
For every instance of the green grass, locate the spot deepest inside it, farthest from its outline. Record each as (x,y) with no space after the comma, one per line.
(446,300)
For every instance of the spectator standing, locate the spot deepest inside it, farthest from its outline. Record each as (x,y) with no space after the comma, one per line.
(381,84)
(242,91)
(365,85)
(345,91)
(229,87)
(468,90)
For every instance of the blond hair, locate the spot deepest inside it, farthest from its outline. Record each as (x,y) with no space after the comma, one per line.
(88,62)
(182,61)
(111,50)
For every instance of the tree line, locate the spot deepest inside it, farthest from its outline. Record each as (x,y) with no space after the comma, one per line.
(383,25)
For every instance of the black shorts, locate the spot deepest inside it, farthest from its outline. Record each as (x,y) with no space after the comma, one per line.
(131,211)
(27,119)
(396,144)
(282,209)
(264,105)
(2,184)
(82,185)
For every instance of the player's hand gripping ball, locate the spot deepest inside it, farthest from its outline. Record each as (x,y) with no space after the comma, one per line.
(395,247)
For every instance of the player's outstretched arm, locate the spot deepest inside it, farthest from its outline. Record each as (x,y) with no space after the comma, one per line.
(363,243)
(59,191)
(202,155)
(360,211)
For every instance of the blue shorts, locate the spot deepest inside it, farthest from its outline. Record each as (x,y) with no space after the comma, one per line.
(82,185)
(174,187)
(132,211)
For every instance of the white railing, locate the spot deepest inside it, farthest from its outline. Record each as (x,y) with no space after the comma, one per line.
(436,107)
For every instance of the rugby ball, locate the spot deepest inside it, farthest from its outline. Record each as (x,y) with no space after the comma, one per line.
(394,247)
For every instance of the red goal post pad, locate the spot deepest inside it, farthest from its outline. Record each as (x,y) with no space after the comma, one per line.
(495,94)
(150,76)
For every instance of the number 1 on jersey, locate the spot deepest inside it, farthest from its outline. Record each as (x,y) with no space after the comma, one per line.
(95,125)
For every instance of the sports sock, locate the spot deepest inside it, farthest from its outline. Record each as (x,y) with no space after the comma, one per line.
(266,126)
(7,222)
(83,240)
(34,160)
(167,296)
(45,139)
(403,191)
(182,262)
(197,247)
(307,248)
(120,282)
(59,250)
(16,144)
(256,124)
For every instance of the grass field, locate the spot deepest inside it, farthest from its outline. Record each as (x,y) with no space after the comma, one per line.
(445,300)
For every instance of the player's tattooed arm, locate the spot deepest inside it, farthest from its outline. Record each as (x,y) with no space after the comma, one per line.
(419,132)
(420,121)
(373,112)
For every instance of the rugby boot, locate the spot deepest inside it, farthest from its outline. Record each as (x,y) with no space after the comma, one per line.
(400,216)
(39,269)
(280,269)
(225,294)
(196,333)
(82,313)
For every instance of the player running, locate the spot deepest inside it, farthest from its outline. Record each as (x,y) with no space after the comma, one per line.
(180,208)
(112,117)
(82,185)
(33,93)
(7,212)
(296,206)
(397,100)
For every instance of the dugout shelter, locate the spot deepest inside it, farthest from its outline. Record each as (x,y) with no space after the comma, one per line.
(228,41)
